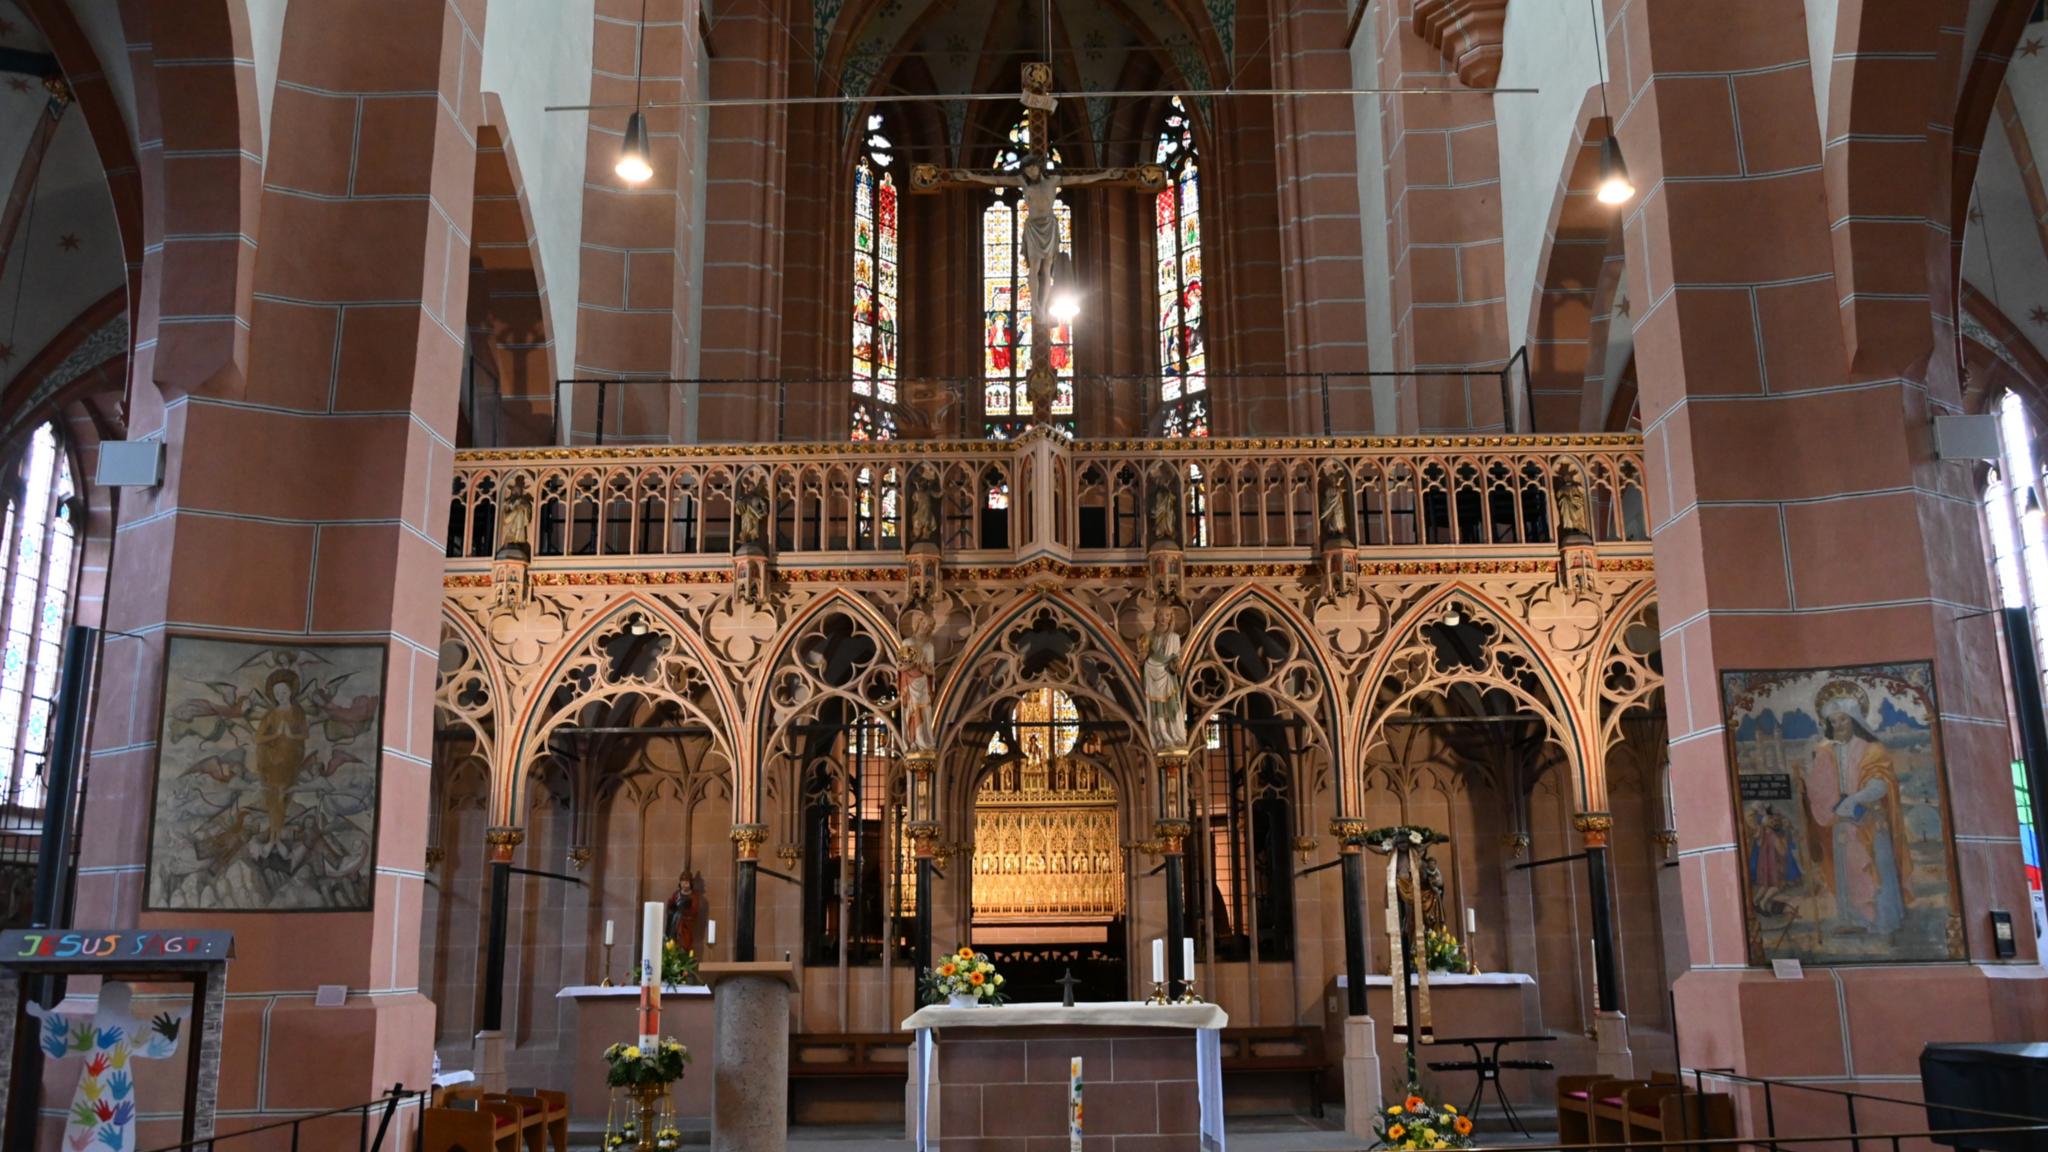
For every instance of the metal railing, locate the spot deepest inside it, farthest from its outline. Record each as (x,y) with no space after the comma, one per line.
(591,412)
(1772,1086)
(386,1106)
(1896,1140)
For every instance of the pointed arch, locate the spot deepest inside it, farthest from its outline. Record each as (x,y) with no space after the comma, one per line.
(535,720)
(1323,710)
(761,722)
(1514,662)
(967,683)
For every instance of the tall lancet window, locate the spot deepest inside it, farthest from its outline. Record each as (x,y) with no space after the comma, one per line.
(1183,355)
(35,604)
(1006,305)
(875,329)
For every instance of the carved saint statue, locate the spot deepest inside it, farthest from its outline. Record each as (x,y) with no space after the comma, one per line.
(1571,504)
(515,520)
(749,515)
(1163,507)
(924,506)
(685,905)
(1431,904)
(1166,716)
(915,668)
(1334,499)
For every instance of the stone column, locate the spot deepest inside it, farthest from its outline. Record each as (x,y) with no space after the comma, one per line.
(750,1055)
(1361,1052)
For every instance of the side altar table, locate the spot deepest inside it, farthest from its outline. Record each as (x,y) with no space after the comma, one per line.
(1152,1076)
(594,1018)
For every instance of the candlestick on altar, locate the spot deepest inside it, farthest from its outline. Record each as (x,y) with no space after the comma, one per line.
(1471,921)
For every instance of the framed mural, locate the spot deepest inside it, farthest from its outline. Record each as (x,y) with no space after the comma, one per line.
(267,777)
(1841,815)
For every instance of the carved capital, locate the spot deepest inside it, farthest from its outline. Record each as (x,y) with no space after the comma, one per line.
(435,854)
(789,854)
(1469,33)
(747,839)
(1666,839)
(1515,844)
(1593,828)
(579,857)
(502,841)
(1172,834)
(1350,832)
(924,838)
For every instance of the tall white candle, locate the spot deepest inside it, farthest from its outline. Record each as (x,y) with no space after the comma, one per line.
(1471,921)
(650,938)
(711,932)
(607,933)
(1159,960)
(1187,957)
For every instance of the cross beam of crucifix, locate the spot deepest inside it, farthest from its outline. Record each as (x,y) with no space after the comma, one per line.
(1039,186)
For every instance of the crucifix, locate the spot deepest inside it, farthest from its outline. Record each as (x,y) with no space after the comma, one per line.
(1038,186)
(1066,984)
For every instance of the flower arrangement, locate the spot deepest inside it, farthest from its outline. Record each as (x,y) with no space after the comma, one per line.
(964,973)
(624,1136)
(1417,1125)
(1443,953)
(634,1067)
(678,967)
(1383,839)
(668,1139)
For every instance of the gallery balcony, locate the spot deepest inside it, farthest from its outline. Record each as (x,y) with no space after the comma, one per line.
(1250,501)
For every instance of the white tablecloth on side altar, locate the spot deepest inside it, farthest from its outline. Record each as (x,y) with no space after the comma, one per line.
(1444,979)
(1205,1020)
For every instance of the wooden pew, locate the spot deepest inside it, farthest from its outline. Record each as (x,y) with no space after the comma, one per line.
(464,1119)
(1280,1049)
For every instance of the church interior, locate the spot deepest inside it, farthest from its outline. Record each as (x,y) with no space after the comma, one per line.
(1470,557)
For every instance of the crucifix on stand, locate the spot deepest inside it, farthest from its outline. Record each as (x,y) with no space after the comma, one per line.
(1039,186)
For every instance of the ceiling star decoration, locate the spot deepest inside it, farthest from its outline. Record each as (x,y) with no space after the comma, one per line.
(18,83)
(6,352)
(68,242)
(2032,47)
(2039,315)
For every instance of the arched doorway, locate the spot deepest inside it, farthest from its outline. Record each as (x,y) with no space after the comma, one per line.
(1048,892)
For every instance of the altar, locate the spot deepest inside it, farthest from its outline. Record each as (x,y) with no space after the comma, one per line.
(1461,1004)
(595,1017)
(984,1074)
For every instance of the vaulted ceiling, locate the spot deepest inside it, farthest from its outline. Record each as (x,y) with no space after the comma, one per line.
(938,47)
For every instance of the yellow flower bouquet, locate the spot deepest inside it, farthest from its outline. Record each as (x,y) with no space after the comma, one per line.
(632,1066)
(1416,1125)
(965,973)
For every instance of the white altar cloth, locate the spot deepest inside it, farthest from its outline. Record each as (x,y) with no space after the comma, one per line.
(1206,1020)
(600,991)
(1444,979)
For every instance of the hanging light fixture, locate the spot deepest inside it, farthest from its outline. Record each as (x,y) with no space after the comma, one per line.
(633,166)
(1615,186)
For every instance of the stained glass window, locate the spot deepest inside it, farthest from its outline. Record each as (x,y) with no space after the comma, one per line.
(36,607)
(2019,561)
(1006,309)
(875,332)
(1177,217)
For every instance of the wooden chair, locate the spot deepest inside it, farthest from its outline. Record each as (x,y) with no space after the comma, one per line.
(465,1118)
(1579,1099)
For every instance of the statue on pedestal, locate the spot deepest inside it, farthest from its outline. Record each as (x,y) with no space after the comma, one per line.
(685,908)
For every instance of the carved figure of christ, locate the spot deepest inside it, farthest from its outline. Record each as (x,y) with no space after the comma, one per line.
(1039,187)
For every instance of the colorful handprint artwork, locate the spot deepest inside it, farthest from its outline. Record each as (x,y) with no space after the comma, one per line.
(113,1042)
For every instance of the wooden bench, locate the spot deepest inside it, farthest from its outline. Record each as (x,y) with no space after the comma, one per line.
(849,1055)
(466,1119)
(538,1118)
(1603,1110)
(1279,1049)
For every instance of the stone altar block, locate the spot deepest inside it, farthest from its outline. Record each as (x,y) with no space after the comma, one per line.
(986,1077)
(595,1018)
(750,1054)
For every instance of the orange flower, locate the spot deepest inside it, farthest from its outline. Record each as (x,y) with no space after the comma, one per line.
(945,969)
(965,953)
(976,978)
(1415,1104)
(1396,1132)
(1463,1125)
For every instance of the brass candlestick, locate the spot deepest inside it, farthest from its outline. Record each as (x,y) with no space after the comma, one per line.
(1187,995)
(607,981)
(1158,995)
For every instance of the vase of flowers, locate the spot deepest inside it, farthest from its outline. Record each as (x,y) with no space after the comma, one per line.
(964,979)
(678,967)
(1443,953)
(646,1074)
(1416,1125)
